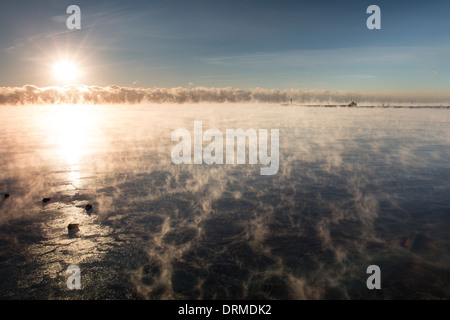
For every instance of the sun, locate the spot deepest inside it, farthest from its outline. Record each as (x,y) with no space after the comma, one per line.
(66,71)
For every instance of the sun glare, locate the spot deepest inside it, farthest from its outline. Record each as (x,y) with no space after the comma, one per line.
(66,71)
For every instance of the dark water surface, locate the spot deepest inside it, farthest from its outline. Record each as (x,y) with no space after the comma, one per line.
(355,187)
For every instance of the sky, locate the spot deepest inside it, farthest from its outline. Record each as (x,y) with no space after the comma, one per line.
(305,45)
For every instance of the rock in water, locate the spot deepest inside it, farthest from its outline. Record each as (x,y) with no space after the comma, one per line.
(73,226)
(6,196)
(88,207)
(45,200)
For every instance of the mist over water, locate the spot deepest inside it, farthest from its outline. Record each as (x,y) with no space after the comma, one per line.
(355,187)
(84,94)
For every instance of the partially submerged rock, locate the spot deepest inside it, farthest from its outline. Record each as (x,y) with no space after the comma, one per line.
(73,227)
(6,196)
(88,207)
(45,200)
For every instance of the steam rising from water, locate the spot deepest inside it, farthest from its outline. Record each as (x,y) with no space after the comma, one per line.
(352,185)
(30,94)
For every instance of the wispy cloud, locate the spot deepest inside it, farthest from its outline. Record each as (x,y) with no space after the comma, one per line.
(338,56)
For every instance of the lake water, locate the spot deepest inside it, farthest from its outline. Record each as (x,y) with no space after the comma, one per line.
(355,187)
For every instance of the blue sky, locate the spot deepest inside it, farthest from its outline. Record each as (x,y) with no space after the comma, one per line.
(322,45)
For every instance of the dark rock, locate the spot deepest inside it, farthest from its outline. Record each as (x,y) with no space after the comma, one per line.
(73,227)
(45,200)
(6,196)
(88,207)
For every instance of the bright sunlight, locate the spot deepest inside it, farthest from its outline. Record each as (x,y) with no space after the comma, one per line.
(66,71)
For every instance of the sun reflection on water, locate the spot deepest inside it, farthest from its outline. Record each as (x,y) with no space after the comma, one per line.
(69,130)
(71,139)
